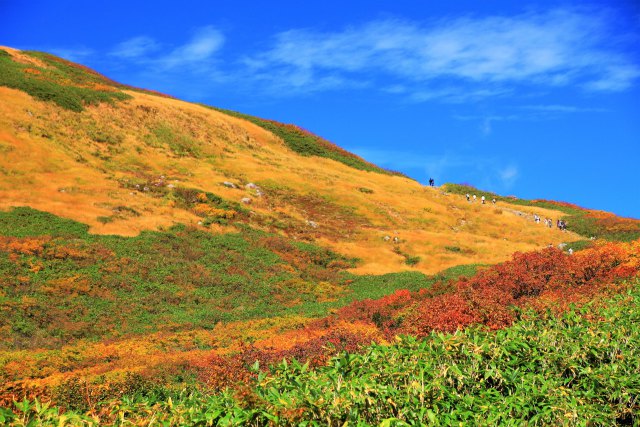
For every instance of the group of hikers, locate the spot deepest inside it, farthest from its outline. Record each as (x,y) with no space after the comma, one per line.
(483,199)
(548,222)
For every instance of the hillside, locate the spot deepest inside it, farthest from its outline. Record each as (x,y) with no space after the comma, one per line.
(149,244)
(93,166)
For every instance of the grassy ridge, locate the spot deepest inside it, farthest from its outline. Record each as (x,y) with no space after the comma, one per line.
(585,222)
(68,86)
(308,144)
(579,369)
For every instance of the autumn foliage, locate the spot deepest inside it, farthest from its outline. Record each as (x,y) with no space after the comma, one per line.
(545,279)
(542,280)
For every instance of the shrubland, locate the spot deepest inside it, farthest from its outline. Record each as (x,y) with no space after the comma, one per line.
(576,369)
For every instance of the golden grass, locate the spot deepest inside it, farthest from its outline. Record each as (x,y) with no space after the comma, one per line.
(53,163)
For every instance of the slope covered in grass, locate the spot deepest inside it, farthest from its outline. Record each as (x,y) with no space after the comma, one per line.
(119,167)
(57,81)
(585,222)
(307,144)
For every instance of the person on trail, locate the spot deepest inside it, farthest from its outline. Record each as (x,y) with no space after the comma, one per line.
(468,197)
(570,251)
(474,198)
(493,201)
(482,198)
(432,182)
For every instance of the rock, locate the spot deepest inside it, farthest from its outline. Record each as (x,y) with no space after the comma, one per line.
(562,245)
(251,186)
(259,193)
(246,200)
(229,184)
(145,189)
(199,222)
(312,224)
(396,240)
(171,186)
(386,238)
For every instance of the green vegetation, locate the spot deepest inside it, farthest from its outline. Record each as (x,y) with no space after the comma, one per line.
(579,369)
(308,144)
(181,144)
(61,284)
(68,85)
(582,221)
(408,258)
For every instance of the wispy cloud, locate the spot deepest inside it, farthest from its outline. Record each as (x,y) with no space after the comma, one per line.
(527,113)
(508,175)
(556,108)
(136,48)
(77,54)
(198,51)
(486,56)
(201,48)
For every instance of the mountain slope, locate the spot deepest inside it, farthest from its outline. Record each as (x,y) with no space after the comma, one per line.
(116,166)
(140,234)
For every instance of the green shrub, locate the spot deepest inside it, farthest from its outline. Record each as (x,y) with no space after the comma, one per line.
(54,84)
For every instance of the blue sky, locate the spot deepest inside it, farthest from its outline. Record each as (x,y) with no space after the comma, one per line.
(536,99)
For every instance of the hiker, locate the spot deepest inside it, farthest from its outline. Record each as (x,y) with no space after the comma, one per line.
(570,251)
(432,182)
(468,197)
(482,198)
(493,200)
(474,198)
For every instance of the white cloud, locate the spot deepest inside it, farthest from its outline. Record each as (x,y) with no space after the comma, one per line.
(509,175)
(204,44)
(78,54)
(199,51)
(489,55)
(555,108)
(137,47)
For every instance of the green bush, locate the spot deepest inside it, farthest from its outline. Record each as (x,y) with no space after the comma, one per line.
(56,84)
(578,369)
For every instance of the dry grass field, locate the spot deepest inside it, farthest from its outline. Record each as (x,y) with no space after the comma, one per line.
(74,164)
